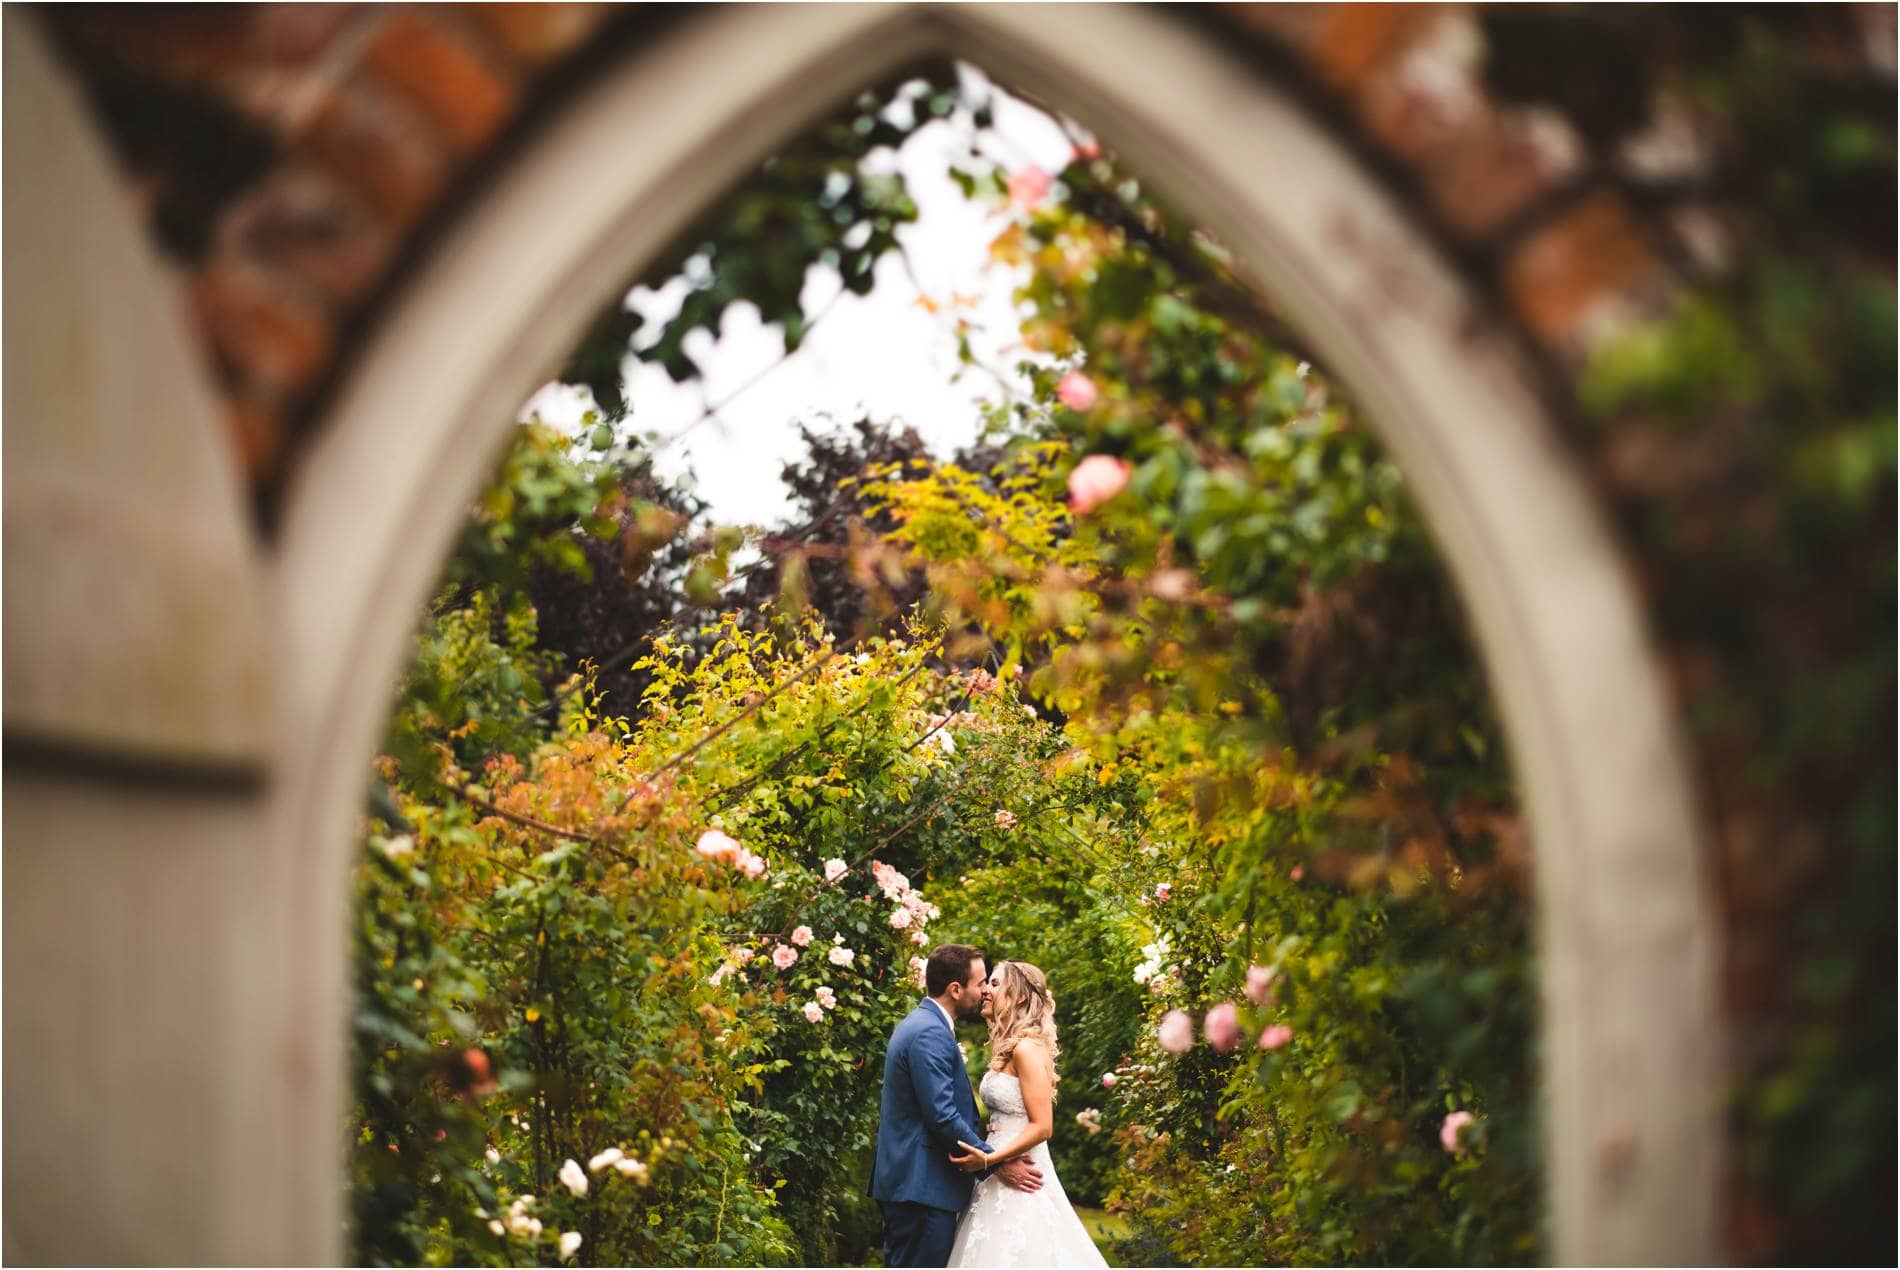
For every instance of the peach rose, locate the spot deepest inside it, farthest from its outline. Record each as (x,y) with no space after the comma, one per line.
(1222,1027)
(1077,391)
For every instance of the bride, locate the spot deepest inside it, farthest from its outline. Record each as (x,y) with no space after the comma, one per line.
(1004,1226)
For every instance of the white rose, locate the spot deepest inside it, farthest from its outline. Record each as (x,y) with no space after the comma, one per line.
(627,1166)
(840,956)
(492,1156)
(605,1158)
(570,1244)
(497,1227)
(572,1177)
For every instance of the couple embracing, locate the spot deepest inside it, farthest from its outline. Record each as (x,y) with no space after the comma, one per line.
(950,1194)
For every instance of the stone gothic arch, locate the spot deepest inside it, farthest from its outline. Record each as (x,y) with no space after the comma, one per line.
(1626,932)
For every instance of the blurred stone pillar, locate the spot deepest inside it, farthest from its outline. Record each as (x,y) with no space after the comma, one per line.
(137,717)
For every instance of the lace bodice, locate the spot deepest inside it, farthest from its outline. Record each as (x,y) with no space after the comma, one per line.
(1003,1095)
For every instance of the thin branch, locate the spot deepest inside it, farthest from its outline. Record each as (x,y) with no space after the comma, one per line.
(720,798)
(711,409)
(473,795)
(815,664)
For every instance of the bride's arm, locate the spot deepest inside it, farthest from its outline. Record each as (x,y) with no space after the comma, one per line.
(1034,1071)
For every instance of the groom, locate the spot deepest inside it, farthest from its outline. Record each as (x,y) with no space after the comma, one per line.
(926,1110)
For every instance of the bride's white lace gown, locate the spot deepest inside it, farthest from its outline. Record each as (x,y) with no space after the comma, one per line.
(1006,1227)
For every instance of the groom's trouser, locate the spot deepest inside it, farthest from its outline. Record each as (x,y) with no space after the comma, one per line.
(917,1234)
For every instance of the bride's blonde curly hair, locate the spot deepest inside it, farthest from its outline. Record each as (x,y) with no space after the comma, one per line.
(1021,1006)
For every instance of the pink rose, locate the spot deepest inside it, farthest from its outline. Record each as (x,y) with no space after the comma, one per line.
(1276,1036)
(1108,1080)
(813,1012)
(1222,1027)
(1176,1033)
(1449,1131)
(1297,872)
(826,997)
(783,957)
(1259,984)
(752,865)
(1163,891)
(835,869)
(1028,187)
(919,937)
(715,845)
(1005,820)
(917,967)
(900,918)
(1077,391)
(802,937)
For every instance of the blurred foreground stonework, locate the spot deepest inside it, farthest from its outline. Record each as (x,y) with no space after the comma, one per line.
(1585,170)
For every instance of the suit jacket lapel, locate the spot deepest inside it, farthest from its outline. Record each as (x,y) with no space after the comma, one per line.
(965,1097)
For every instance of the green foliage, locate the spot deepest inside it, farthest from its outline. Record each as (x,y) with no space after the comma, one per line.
(826,200)
(1253,646)
(549,970)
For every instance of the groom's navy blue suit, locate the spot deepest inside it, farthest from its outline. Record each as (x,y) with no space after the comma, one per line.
(926,1108)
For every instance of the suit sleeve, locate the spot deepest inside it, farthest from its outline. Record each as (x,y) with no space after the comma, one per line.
(934,1067)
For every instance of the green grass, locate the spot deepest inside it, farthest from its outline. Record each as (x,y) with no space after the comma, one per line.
(1103,1227)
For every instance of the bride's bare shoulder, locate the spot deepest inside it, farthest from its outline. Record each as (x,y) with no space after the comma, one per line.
(1026,1051)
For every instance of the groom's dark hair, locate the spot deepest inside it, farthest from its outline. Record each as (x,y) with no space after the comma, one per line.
(948,964)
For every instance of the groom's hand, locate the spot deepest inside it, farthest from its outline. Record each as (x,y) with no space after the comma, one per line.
(1021,1174)
(970,1159)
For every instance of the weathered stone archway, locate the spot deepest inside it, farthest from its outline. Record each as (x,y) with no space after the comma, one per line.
(409,433)
(1626,937)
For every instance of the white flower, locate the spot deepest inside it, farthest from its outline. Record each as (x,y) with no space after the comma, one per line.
(399,846)
(605,1158)
(572,1177)
(497,1227)
(837,939)
(840,956)
(864,658)
(570,1244)
(835,869)
(627,1166)
(813,1012)
(522,1224)
(492,1156)
(900,918)
(919,937)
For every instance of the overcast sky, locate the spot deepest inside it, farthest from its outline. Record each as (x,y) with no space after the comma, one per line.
(883,354)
